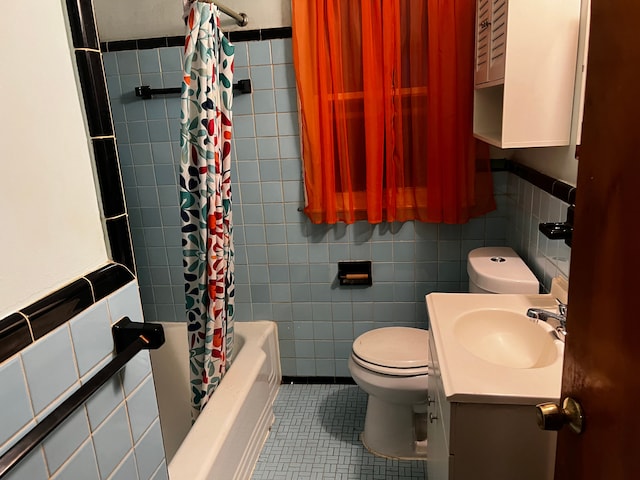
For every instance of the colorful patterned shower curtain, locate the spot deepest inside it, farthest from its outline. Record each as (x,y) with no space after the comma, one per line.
(205,200)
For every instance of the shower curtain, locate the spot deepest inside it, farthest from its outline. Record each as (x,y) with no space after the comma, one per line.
(205,200)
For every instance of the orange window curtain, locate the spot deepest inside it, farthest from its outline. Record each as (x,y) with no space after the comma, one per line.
(386,98)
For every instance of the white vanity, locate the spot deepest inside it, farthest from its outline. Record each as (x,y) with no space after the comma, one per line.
(489,366)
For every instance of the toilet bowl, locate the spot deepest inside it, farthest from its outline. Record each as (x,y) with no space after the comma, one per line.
(390,363)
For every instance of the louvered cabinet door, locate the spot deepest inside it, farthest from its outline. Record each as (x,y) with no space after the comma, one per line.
(483,38)
(498,40)
(526,100)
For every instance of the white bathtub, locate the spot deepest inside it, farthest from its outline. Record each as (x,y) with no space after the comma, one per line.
(226,440)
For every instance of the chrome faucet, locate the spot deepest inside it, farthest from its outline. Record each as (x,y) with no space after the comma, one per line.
(557,320)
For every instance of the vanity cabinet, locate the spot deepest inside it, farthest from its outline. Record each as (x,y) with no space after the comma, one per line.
(525,71)
(483,441)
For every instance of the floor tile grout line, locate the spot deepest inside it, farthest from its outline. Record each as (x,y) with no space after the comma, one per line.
(316,436)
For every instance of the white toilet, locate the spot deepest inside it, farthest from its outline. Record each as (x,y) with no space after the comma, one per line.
(391,363)
(499,270)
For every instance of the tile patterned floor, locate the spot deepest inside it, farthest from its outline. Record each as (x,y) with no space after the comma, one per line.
(316,437)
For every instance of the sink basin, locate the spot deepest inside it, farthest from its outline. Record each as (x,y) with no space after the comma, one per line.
(489,351)
(506,338)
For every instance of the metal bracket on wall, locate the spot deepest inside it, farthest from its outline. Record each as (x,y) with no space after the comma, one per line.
(559,230)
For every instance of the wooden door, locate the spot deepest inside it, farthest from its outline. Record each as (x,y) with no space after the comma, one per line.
(602,356)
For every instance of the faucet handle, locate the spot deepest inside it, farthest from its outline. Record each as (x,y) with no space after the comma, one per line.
(562,307)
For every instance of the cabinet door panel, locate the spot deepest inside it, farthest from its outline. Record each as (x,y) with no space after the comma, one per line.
(498,43)
(437,450)
(439,411)
(483,38)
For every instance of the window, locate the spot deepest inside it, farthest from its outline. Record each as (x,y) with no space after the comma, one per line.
(385,93)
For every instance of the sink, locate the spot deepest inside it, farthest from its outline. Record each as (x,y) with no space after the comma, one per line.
(506,338)
(489,351)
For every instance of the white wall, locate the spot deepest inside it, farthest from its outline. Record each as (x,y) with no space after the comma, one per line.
(557,162)
(126,20)
(51,229)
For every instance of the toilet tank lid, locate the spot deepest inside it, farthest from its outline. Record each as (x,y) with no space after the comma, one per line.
(500,270)
(397,347)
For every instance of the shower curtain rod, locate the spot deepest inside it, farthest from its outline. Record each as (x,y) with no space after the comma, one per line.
(241,18)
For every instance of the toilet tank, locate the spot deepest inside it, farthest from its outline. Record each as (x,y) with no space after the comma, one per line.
(499,270)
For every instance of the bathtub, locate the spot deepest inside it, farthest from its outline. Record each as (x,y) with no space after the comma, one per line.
(225,441)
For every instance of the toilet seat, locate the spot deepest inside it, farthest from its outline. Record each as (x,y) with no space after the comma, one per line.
(397,351)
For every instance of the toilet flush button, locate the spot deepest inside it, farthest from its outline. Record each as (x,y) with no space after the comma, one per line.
(498,259)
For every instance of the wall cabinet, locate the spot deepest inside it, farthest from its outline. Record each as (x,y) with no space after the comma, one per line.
(525,70)
(484,441)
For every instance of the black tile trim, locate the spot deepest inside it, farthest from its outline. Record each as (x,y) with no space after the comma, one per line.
(499,164)
(109,178)
(108,279)
(94,93)
(178,40)
(14,335)
(318,380)
(275,33)
(120,241)
(148,43)
(118,45)
(83,28)
(142,43)
(59,307)
(557,188)
(98,112)
(244,36)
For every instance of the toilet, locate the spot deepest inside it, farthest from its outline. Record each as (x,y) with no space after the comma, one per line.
(499,270)
(390,364)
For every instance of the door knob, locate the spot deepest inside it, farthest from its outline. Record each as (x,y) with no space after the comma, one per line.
(552,417)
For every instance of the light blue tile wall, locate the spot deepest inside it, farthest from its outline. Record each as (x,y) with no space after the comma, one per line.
(285,266)
(147,133)
(527,207)
(116,432)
